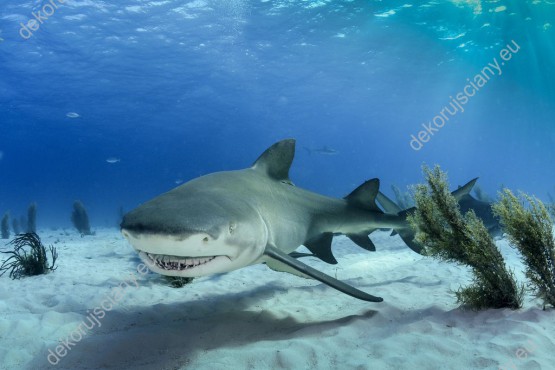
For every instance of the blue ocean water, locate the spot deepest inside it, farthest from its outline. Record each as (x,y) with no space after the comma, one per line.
(113,103)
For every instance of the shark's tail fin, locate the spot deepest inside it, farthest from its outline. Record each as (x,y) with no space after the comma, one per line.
(406,233)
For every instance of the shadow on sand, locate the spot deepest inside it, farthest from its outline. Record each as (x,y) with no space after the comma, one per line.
(170,336)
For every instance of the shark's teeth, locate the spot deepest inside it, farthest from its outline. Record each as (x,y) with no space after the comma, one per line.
(178,263)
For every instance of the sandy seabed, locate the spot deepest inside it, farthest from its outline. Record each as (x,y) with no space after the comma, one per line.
(98,311)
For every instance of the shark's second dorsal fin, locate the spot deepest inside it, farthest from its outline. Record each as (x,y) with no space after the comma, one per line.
(365,196)
(276,160)
(464,190)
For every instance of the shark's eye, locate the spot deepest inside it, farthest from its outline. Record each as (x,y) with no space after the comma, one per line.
(232,227)
(205,239)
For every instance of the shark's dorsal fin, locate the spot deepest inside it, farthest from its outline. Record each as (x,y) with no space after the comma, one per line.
(365,196)
(276,160)
(321,248)
(464,190)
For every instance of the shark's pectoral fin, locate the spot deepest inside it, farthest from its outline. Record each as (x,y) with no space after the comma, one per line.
(300,255)
(363,241)
(278,255)
(282,267)
(321,247)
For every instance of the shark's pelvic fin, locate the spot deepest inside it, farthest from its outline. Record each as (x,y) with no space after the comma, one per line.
(280,256)
(321,248)
(365,196)
(276,160)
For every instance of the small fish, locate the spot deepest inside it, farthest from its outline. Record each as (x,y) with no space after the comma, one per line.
(72,115)
(326,150)
(178,181)
(113,160)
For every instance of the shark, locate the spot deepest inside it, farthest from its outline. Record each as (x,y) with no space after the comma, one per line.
(484,211)
(325,150)
(466,201)
(228,220)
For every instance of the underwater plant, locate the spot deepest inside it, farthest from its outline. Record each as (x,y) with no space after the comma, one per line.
(32,218)
(80,218)
(15,226)
(23,223)
(28,257)
(178,281)
(404,200)
(530,230)
(551,205)
(449,236)
(5,226)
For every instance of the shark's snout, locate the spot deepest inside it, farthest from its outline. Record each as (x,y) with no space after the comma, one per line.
(196,255)
(198,229)
(179,245)
(193,237)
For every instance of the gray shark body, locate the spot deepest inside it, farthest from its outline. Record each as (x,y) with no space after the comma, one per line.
(466,203)
(484,212)
(228,220)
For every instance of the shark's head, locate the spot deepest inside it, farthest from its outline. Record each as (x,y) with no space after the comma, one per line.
(196,229)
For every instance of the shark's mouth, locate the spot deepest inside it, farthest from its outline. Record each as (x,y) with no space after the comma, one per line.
(178,263)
